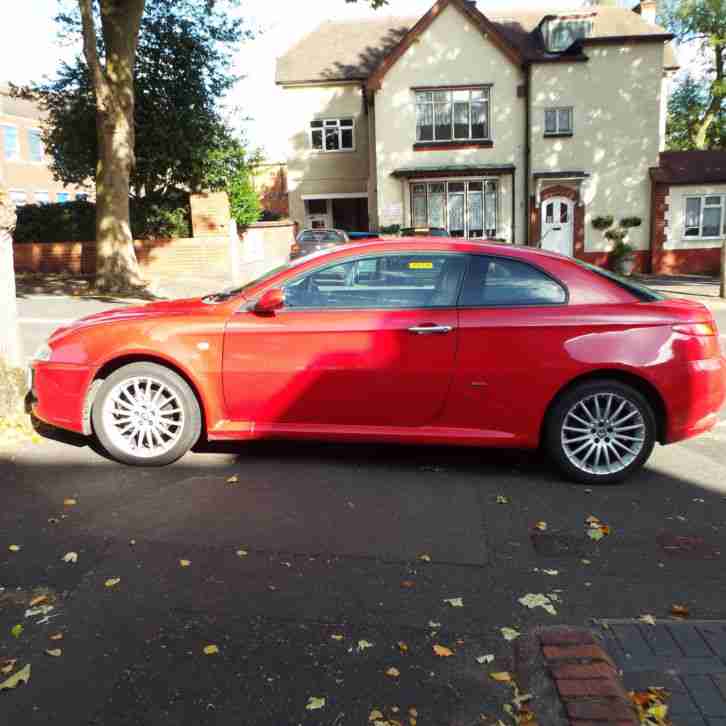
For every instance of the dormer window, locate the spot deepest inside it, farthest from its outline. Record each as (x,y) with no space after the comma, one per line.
(560,33)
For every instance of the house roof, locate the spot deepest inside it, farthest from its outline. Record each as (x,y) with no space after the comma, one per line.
(13,106)
(690,167)
(352,50)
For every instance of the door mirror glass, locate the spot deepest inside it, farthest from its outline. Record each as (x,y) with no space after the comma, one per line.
(270,301)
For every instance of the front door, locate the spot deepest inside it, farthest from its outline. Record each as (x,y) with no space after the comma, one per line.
(366,342)
(557,225)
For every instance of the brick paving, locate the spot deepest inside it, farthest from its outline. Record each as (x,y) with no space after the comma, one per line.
(688,658)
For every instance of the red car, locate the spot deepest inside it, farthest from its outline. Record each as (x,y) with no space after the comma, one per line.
(419,340)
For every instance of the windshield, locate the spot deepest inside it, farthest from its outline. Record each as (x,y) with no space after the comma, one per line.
(232,291)
(642,292)
(322,236)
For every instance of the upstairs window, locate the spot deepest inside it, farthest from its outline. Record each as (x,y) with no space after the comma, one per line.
(35,145)
(62,197)
(558,121)
(452,115)
(560,33)
(333,134)
(11,143)
(705,216)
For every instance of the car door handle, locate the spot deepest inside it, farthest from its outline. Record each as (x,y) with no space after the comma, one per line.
(430,329)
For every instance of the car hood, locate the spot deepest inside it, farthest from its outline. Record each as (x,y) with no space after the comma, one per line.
(188,306)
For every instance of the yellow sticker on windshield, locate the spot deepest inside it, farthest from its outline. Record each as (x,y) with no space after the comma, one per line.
(420,265)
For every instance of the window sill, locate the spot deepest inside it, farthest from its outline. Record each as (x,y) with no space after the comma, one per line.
(323,152)
(559,135)
(444,145)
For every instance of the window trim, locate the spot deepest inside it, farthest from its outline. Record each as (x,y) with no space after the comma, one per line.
(373,256)
(559,283)
(558,132)
(18,151)
(30,131)
(18,191)
(702,199)
(485,141)
(42,191)
(340,128)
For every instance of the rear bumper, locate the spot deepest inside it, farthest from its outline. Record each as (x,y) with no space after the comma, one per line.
(697,400)
(58,393)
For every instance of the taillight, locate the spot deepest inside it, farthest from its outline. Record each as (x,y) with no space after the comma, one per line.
(697,328)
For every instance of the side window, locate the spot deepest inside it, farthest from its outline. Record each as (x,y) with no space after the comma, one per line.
(392,281)
(503,281)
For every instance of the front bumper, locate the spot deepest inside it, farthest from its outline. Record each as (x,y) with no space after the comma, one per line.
(58,391)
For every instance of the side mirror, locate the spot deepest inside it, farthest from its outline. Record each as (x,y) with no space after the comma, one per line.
(272,300)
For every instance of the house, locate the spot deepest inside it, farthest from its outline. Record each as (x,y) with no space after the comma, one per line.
(520,126)
(24,167)
(689,211)
(270,182)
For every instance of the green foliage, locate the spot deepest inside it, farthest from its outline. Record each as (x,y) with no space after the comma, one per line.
(183,68)
(629,222)
(603,222)
(244,202)
(616,235)
(151,218)
(686,107)
(391,229)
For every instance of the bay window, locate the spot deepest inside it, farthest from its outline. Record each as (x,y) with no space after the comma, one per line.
(704,216)
(455,114)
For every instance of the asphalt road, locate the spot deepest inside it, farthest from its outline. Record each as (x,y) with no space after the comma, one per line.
(307,575)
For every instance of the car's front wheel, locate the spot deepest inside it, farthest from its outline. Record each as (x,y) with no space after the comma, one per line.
(146,415)
(600,432)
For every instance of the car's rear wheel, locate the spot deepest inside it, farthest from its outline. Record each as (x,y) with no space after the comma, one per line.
(146,415)
(600,432)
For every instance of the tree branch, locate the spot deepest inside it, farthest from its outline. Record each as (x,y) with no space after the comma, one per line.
(89,45)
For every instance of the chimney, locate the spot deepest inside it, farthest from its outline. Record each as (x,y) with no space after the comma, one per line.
(648,10)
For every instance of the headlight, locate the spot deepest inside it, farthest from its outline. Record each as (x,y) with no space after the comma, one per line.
(43,353)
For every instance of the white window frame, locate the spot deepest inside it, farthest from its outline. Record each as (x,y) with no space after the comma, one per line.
(12,192)
(451,90)
(466,181)
(558,130)
(63,201)
(703,206)
(329,124)
(44,192)
(17,156)
(42,148)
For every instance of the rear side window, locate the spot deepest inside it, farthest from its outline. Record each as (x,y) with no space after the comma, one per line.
(503,281)
(641,292)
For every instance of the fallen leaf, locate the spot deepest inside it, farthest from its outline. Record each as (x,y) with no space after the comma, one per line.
(680,611)
(541,526)
(502,499)
(402,646)
(408,584)
(37,600)
(14,548)
(455,602)
(335,636)
(57,636)
(185,563)
(413,712)
(242,553)
(551,572)
(112,582)
(22,676)
(375,715)
(210,650)
(443,651)
(658,711)
(70,557)
(596,534)
(647,619)
(233,480)
(585,562)
(425,558)
(40,610)
(69,502)
(6,666)
(53,520)
(509,633)
(54,652)
(484,659)
(17,630)
(501,677)
(393,672)
(538,600)
(132,542)
(592,519)
(315,703)
(363,645)
(434,624)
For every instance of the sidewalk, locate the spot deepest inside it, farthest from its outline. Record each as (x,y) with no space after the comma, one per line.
(704,288)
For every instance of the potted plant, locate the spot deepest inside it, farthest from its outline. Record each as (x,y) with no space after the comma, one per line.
(622,255)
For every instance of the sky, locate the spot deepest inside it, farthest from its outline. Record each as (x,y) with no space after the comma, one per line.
(29,50)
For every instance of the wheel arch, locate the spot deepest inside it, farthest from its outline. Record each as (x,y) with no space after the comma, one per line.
(642,385)
(113,364)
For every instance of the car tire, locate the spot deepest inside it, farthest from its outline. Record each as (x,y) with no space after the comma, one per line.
(600,432)
(146,415)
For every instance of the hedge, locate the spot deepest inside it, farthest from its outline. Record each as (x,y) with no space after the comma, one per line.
(151,218)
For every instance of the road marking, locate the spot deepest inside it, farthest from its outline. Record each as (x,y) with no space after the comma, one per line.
(45,321)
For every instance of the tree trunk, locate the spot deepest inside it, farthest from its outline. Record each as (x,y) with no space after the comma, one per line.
(10,348)
(717,96)
(113,81)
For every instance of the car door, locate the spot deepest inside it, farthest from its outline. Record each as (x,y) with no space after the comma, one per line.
(366,342)
(512,319)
